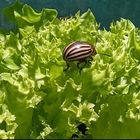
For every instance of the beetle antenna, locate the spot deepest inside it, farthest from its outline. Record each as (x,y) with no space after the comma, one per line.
(104,54)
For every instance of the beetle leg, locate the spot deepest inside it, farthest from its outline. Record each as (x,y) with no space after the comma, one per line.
(90,59)
(65,69)
(80,68)
(78,65)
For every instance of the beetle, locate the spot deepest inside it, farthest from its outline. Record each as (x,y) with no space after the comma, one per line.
(78,51)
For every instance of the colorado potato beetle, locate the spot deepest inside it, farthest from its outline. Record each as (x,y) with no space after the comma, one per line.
(78,51)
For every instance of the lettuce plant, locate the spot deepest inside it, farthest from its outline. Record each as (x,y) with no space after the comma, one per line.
(39,100)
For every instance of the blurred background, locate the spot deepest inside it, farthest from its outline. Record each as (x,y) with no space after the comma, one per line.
(105,11)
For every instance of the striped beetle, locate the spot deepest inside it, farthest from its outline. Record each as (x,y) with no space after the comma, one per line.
(78,51)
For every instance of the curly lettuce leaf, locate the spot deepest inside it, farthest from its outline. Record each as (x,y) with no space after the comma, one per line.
(47,102)
(24,15)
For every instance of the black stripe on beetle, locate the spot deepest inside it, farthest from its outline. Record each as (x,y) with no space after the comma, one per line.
(78,51)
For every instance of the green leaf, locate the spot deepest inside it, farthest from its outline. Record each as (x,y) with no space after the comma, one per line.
(46,102)
(48,14)
(9,10)
(88,17)
(24,15)
(6,77)
(29,15)
(135,44)
(9,63)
